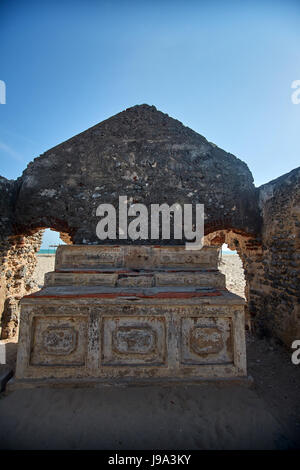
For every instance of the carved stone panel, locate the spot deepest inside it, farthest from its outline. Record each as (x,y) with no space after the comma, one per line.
(181,257)
(87,256)
(133,341)
(206,340)
(58,341)
(125,280)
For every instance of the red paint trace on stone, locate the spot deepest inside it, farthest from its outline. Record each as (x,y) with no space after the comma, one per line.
(111,295)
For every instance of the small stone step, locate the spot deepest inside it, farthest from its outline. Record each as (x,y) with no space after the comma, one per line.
(142,278)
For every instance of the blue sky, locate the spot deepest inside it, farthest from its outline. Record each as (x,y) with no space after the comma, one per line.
(224,68)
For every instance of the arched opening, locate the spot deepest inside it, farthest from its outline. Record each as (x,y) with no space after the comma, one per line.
(46,255)
(232,267)
(24,264)
(23,272)
(239,263)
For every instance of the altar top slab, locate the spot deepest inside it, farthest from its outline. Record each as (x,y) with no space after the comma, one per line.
(169,295)
(147,257)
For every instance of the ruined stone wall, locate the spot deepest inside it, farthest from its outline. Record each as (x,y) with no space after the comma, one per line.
(18,262)
(145,155)
(272,261)
(276,281)
(250,251)
(17,259)
(8,196)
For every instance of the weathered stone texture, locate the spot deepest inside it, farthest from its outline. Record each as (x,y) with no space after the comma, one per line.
(88,334)
(276,284)
(145,155)
(272,261)
(8,195)
(250,251)
(17,267)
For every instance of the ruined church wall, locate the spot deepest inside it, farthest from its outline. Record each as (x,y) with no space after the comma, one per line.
(18,262)
(145,155)
(275,285)
(250,251)
(272,260)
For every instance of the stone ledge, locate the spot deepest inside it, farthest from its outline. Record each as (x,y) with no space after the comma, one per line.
(16,384)
(152,296)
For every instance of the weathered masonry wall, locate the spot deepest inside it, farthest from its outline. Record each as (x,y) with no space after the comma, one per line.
(272,261)
(17,259)
(141,153)
(275,286)
(250,251)
(18,262)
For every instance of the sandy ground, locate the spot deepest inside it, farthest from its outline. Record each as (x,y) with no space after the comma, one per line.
(231,266)
(264,416)
(45,264)
(180,417)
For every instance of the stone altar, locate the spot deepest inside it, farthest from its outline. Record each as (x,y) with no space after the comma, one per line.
(119,314)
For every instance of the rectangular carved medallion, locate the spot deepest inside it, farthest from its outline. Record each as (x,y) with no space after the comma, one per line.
(133,341)
(206,340)
(58,341)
